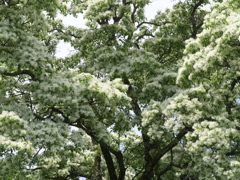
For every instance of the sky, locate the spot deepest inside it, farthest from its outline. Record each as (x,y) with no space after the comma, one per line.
(64,49)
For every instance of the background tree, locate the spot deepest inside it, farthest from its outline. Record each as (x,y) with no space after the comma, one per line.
(113,109)
(210,104)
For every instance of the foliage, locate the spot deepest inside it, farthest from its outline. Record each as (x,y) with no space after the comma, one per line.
(137,99)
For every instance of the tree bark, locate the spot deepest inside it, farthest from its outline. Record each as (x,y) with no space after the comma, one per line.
(147,174)
(97,173)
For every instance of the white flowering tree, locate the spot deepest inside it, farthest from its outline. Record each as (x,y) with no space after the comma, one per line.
(210,104)
(137,99)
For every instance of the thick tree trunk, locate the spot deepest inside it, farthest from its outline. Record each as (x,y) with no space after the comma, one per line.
(97,174)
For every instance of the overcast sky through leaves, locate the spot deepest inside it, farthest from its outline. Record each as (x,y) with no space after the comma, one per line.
(64,49)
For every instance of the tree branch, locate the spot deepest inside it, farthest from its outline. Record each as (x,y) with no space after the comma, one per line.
(234,151)
(97,162)
(106,150)
(135,7)
(34,169)
(109,162)
(152,23)
(54,109)
(193,19)
(71,34)
(146,140)
(162,152)
(168,167)
(23,72)
(234,82)
(143,35)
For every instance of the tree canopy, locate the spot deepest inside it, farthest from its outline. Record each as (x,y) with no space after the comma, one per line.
(138,99)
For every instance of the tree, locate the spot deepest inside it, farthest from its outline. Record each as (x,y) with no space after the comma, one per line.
(210,104)
(137,99)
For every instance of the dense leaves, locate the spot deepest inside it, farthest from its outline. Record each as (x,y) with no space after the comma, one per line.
(137,99)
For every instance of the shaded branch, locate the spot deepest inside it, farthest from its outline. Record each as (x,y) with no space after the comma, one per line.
(103,21)
(193,19)
(195,7)
(169,167)
(234,82)
(23,72)
(232,153)
(34,169)
(107,150)
(162,152)
(73,174)
(137,174)
(109,162)
(235,151)
(54,109)
(144,34)
(125,2)
(152,23)
(97,162)
(146,140)
(135,7)
(71,34)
